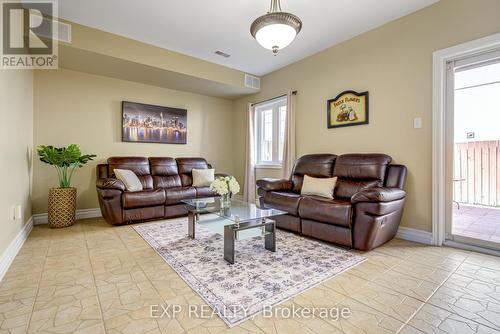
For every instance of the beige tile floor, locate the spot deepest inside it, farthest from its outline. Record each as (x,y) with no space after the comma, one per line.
(479,222)
(94,278)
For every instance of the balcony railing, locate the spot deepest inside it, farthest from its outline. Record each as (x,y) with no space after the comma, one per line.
(477,173)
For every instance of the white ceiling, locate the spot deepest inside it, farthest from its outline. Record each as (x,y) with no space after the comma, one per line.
(200,27)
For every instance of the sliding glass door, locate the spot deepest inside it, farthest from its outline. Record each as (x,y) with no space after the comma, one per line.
(473,100)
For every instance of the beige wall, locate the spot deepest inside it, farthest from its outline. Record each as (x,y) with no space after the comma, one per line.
(16,140)
(73,107)
(393,63)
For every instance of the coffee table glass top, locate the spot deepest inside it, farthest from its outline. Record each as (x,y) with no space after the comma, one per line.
(239,211)
(217,224)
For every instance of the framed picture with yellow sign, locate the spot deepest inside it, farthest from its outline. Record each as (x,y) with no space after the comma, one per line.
(349,108)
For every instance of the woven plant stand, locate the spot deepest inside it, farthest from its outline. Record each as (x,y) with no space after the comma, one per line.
(62,207)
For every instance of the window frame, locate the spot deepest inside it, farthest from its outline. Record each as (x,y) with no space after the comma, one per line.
(274,105)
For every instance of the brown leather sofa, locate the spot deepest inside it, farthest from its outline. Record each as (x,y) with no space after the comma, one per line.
(366,209)
(166,181)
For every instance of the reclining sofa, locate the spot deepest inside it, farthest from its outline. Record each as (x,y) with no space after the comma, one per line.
(367,206)
(166,182)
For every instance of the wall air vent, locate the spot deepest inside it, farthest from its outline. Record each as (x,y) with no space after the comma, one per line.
(252,81)
(222,54)
(63,32)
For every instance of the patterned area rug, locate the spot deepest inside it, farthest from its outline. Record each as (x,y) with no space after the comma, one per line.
(258,279)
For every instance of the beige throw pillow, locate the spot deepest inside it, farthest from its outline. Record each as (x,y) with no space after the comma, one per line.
(318,186)
(129,179)
(203,177)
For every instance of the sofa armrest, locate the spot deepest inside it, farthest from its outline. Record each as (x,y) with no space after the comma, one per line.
(110,202)
(110,183)
(378,194)
(269,184)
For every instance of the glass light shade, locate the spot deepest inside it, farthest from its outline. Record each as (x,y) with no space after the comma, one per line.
(275,35)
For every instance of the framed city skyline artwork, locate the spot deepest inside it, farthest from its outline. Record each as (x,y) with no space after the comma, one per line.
(145,123)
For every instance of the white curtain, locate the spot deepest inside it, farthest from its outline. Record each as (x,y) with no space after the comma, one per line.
(289,140)
(249,193)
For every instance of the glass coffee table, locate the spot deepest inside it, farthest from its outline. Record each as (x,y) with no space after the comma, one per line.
(237,221)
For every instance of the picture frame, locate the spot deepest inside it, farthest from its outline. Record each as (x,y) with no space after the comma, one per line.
(147,123)
(348,108)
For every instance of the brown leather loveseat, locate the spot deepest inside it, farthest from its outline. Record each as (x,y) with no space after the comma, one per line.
(366,209)
(166,182)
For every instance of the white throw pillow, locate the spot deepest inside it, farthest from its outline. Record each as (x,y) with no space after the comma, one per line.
(129,179)
(318,186)
(203,177)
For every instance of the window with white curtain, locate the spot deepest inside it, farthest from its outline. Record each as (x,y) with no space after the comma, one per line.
(270,119)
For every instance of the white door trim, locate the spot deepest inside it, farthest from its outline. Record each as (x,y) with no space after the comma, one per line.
(439,117)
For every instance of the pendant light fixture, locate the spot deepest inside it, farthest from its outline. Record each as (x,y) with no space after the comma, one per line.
(276,29)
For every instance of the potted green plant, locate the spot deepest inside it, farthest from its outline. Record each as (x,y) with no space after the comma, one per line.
(62,200)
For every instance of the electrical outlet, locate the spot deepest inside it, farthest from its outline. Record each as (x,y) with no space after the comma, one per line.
(417,123)
(18,212)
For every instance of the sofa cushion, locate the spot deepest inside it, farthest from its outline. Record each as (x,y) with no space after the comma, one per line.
(315,165)
(203,177)
(347,188)
(283,200)
(163,166)
(204,192)
(129,179)
(186,166)
(138,165)
(356,172)
(318,186)
(166,181)
(145,198)
(165,173)
(330,211)
(176,195)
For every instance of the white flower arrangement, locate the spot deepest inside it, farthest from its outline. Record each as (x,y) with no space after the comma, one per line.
(225,185)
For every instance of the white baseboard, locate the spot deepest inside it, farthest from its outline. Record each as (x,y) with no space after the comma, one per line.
(10,253)
(473,248)
(42,218)
(88,213)
(412,234)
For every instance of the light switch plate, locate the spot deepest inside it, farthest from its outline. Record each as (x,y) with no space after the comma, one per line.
(417,123)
